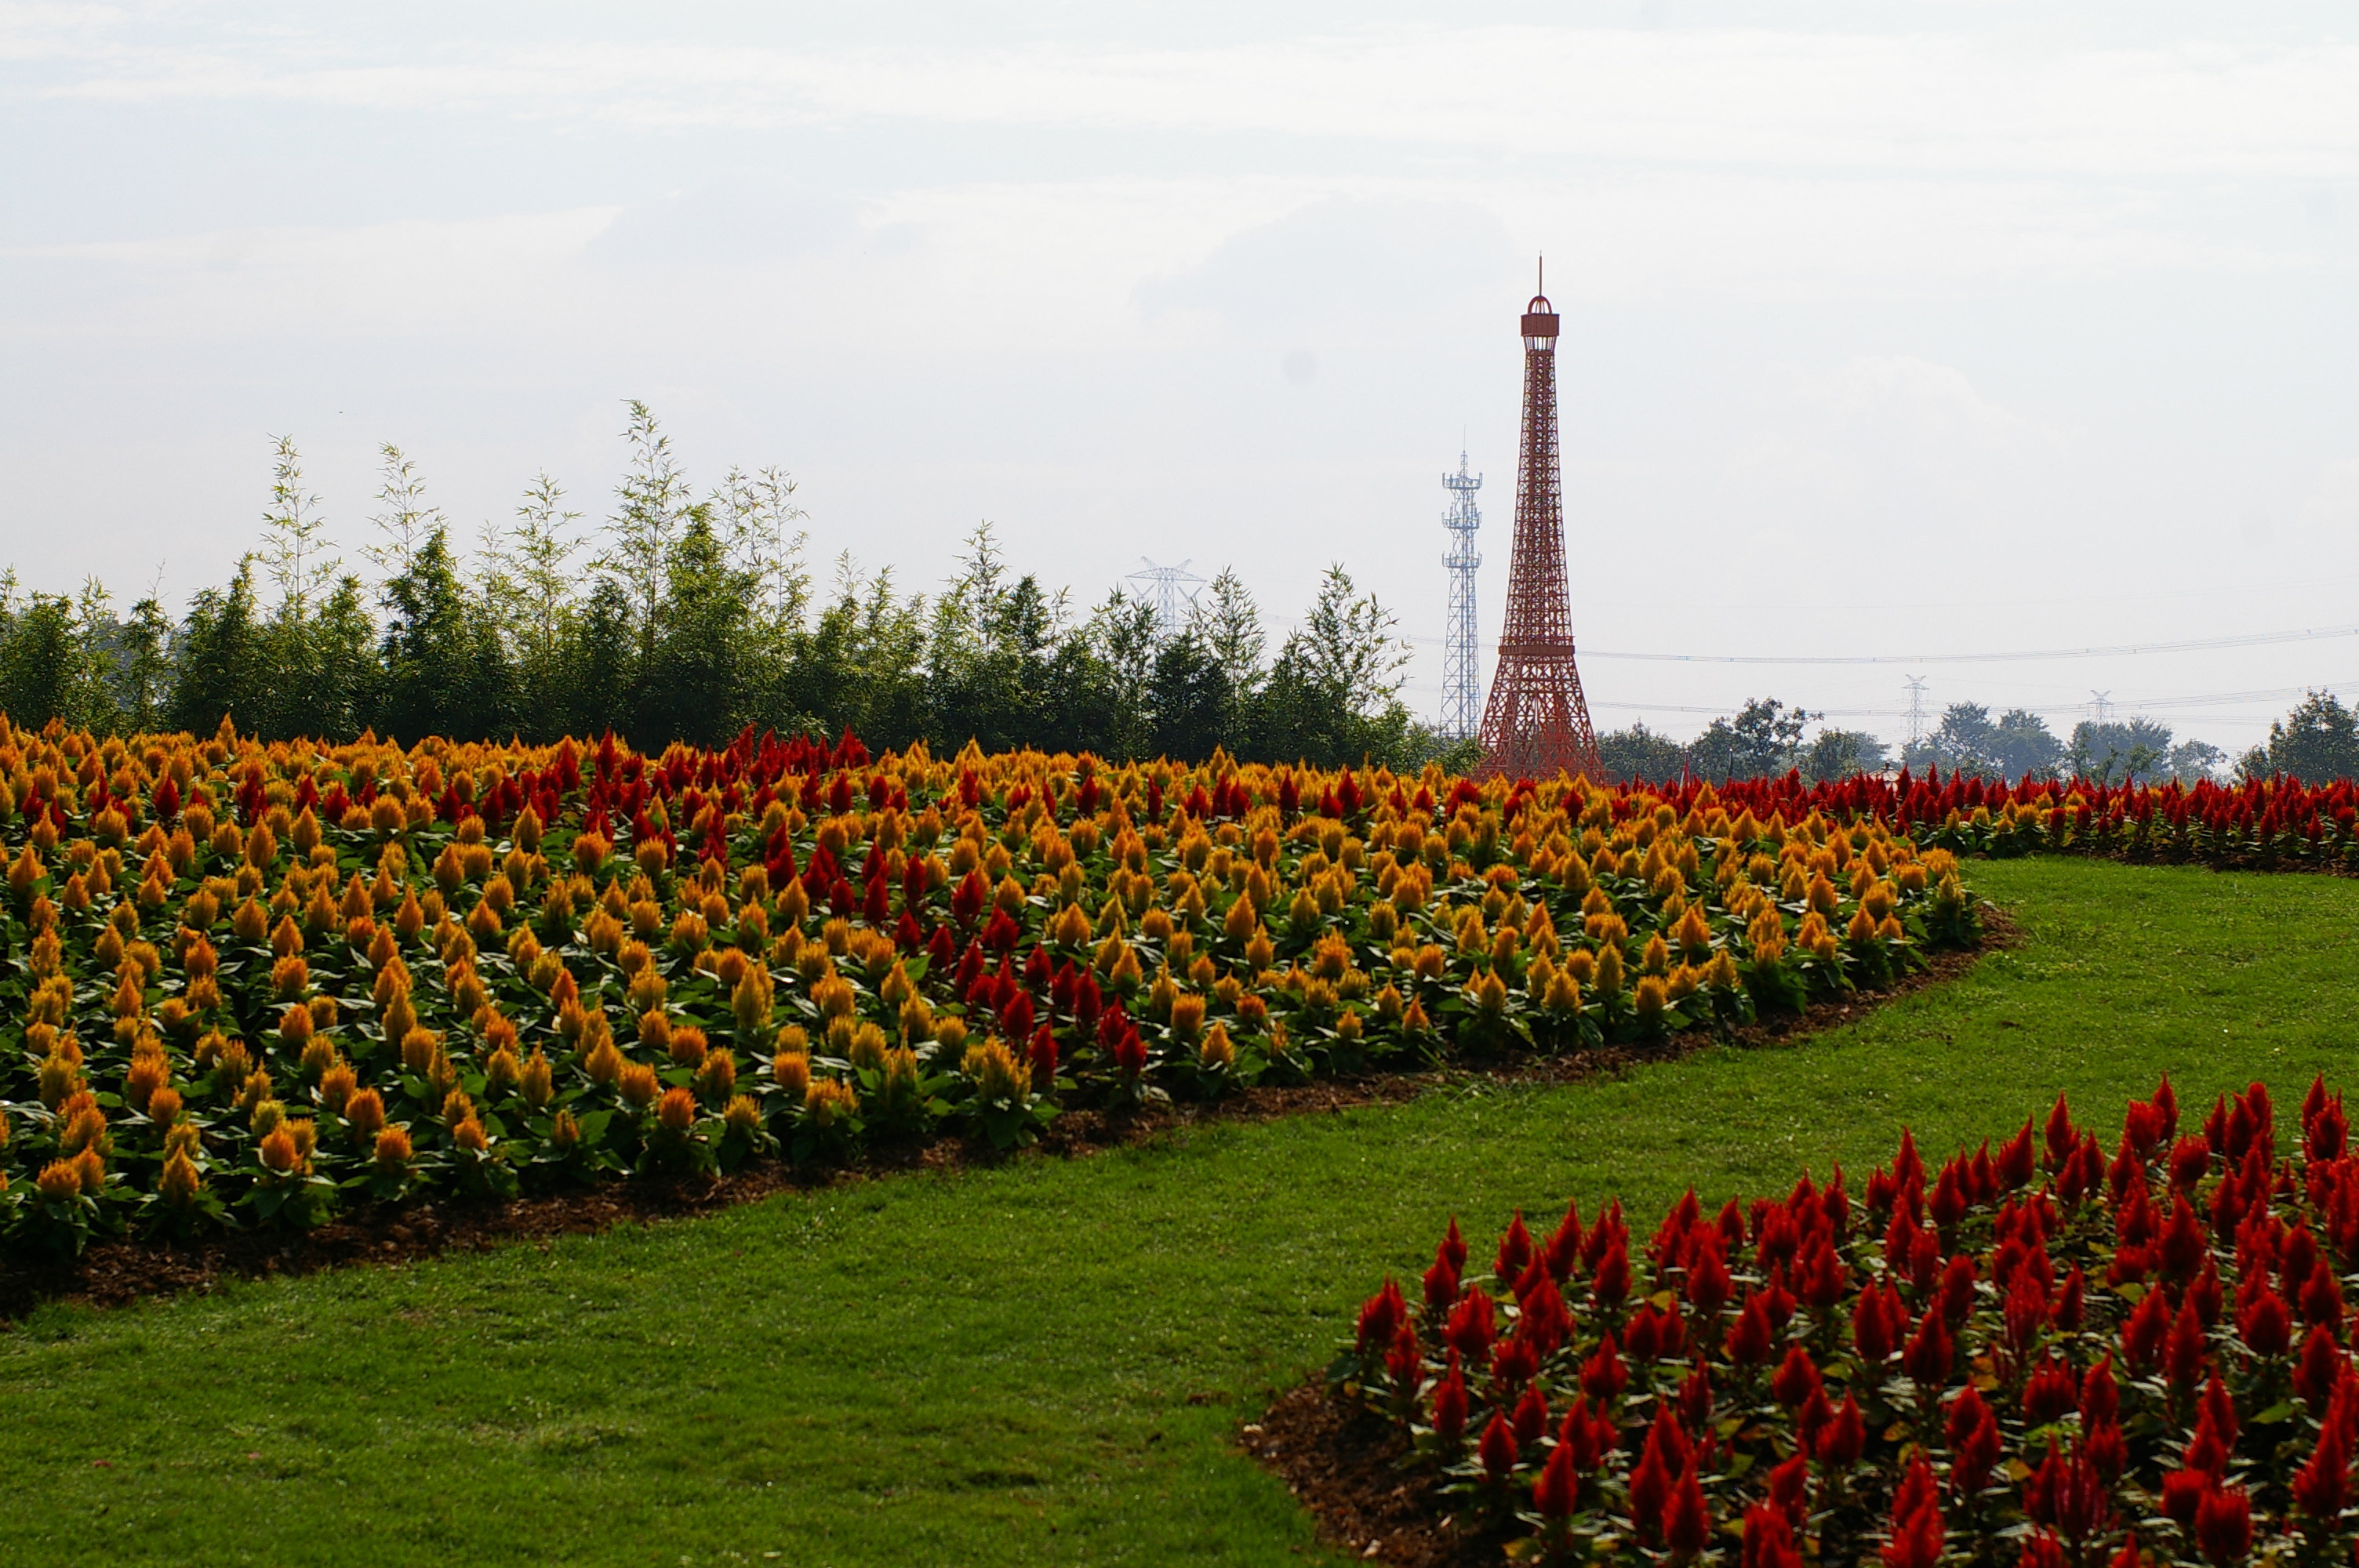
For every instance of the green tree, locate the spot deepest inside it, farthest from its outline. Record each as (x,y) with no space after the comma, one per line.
(406,518)
(2120,751)
(2317,742)
(221,668)
(146,666)
(1841,754)
(530,586)
(1189,697)
(651,512)
(1638,754)
(1764,737)
(692,690)
(1334,692)
(445,672)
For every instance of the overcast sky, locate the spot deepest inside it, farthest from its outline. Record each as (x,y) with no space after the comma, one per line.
(1889,329)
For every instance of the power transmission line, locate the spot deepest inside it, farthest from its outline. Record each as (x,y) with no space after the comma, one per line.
(2248,640)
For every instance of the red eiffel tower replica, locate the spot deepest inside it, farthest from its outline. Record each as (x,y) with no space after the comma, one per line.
(1537,721)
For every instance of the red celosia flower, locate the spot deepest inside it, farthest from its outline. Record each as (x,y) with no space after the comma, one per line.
(1563,1249)
(2191,1161)
(2205,1294)
(2049,1391)
(2026,1310)
(2321,1368)
(1405,1362)
(1948,1204)
(2041,1550)
(1958,1289)
(2100,1397)
(1750,1336)
(1844,1439)
(2015,1159)
(2144,1332)
(1768,1539)
(1872,1327)
(1043,1057)
(2322,1300)
(2182,1494)
(2321,1490)
(1695,1397)
(1926,1357)
(1515,1250)
(1611,1282)
(1650,1334)
(1917,1530)
(2223,1524)
(1453,1246)
(2065,1314)
(1687,1522)
(1789,1487)
(2180,1248)
(1498,1450)
(2069,1494)
(2185,1351)
(1795,1380)
(1823,1276)
(2220,1409)
(1450,1405)
(1470,1330)
(1531,1416)
(1813,1419)
(1545,1321)
(1708,1287)
(2264,1323)
(1973,1442)
(2060,1138)
(1440,1285)
(1515,1363)
(1380,1318)
(1558,1492)
(1602,1376)
(2107,1449)
(1649,1492)
(2206,1453)
(1585,1436)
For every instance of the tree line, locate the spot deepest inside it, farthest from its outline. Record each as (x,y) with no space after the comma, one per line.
(2317,741)
(687,615)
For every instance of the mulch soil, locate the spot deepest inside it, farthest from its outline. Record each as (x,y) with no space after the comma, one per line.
(116,1272)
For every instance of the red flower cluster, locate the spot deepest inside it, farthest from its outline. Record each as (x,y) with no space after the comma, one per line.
(2042,1355)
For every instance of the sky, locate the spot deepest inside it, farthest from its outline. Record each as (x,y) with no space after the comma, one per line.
(1896,331)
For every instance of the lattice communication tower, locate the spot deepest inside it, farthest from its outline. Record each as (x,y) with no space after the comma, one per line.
(1461,658)
(1537,723)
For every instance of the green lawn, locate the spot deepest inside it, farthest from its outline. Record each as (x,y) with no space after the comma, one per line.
(1045,1362)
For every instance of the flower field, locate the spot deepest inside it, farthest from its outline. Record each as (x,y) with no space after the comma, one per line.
(2042,1354)
(252,984)
(2262,824)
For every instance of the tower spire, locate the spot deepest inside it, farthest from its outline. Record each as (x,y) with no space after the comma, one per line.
(1537,723)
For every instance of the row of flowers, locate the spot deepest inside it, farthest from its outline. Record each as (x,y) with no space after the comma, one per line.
(2261,824)
(2060,1351)
(243,983)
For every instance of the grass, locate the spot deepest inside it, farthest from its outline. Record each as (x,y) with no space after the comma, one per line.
(1045,1362)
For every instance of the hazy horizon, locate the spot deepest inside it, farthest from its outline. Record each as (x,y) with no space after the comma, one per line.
(1945,329)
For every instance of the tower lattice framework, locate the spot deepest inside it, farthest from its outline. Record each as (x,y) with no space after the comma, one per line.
(1462,657)
(1537,721)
